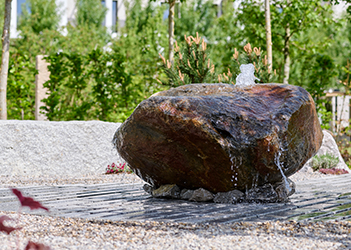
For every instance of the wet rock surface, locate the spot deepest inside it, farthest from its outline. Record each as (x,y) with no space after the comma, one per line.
(233,196)
(201,194)
(220,137)
(265,193)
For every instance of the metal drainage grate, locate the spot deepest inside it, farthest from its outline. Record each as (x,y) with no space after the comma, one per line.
(318,199)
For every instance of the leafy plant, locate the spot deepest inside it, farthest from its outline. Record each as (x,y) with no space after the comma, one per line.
(21,87)
(326,161)
(115,169)
(89,86)
(25,202)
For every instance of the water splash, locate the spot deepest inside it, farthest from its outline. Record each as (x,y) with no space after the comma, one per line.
(235,163)
(246,77)
(280,167)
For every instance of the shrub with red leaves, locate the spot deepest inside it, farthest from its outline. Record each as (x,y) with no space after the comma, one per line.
(28,201)
(333,171)
(36,246)
(4,228)
(25,202)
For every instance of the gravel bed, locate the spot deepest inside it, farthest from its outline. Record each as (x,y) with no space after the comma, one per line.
(68,233)
(20,181)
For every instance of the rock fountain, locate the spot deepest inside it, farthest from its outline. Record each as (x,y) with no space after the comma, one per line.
(236,142)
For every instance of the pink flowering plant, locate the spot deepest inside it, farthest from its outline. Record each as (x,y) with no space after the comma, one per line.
(115,169)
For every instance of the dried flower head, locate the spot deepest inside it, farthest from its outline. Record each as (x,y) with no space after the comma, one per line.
(248,49)
(229,73)
(169,64)
(225,77)
(256,68)
(188,40)
(203,45)
(180,56)
(176,47)
(163,59)
(189,64)
(208,63)
(181,76)
(236,54)
(264,60)
(257,51)
(212,69)
(194,55)
(197,39)
(219,78)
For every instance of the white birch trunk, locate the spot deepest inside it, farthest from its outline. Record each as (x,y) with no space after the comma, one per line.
(287,55)
(268,36)
(171,30)
(5,60)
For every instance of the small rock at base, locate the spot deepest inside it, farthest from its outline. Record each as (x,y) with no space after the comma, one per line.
(167,191)
(186,194)
(282,192)
(265,193)
(233,196)
(201,195)
(148,188)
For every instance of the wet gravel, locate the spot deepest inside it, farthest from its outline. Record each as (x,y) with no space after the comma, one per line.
(72,233)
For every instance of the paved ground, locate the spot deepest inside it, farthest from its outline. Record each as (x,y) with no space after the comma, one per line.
(316,199)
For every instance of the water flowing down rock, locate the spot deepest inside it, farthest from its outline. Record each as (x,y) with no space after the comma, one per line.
(221,137)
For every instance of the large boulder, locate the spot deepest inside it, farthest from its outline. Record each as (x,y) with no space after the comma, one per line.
(220,137)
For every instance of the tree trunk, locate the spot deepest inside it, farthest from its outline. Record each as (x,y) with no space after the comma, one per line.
(287,55)
(5,60)
(171,30)
(268,36)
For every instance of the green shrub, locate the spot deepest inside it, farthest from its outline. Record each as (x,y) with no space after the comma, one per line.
(93,86)
(326,161)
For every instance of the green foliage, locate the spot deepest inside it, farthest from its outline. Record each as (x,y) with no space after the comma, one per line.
(91,13)
(142,39)
(191,64)
(85,87)
(20,94)
(195,17)
(299,16)
(43,15)
(324,161)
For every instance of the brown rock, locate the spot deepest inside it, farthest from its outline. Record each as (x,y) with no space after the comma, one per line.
(220,137)
(167,191)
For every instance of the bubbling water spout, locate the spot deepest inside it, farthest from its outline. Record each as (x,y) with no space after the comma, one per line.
(246,77)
